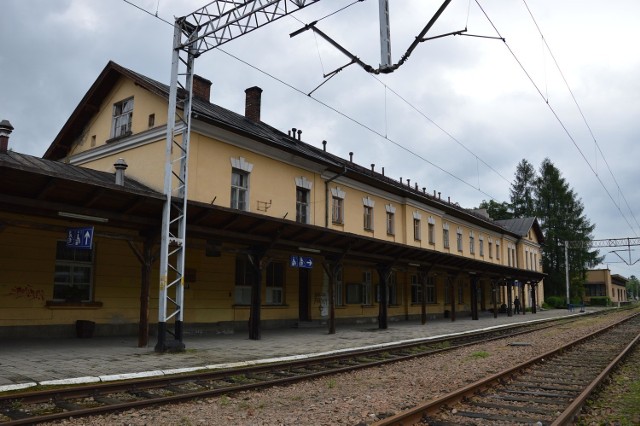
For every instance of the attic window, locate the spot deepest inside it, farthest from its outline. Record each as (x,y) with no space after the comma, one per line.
(122,117)
(152,120)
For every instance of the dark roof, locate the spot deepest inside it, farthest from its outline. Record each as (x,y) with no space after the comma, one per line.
(36,186)
(40,187)
(522,226)
(258,131)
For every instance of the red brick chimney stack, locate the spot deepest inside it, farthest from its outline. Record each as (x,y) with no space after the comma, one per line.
(201,88)
(252,105)
(5,130)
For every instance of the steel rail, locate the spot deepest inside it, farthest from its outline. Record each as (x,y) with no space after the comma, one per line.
(428,408)
(257,377)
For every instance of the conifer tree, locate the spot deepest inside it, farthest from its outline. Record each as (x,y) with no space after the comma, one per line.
(523,190)
(561,216)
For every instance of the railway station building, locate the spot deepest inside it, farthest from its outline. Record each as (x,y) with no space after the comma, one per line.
(602,283)
(324,240)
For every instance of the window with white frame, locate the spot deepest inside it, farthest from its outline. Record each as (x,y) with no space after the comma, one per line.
(416,229)
(122,118)
(445,235)
(490,247)
(431,230)
(459,239)
(535,261)
(417,234)
(240,170)
(303,200)
(360,293)
(368,204)
(302,205)
(391,218)
(526,259)
(481,246)
(393,297)
(275,283)
(431,290)
(337,206)
(73,278)
(245,274)
(472,243)
(416,289)
(366,287)
(497,250)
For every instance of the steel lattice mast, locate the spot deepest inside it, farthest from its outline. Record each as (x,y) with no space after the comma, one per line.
(609,242)
(207,28)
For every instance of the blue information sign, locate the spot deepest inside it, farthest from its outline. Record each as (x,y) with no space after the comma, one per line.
(80,238)
(301,262)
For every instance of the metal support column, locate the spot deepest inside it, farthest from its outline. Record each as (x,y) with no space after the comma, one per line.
(174,221)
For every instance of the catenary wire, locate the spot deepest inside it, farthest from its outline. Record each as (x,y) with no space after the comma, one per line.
(584,119)
(355,121)
(555,114)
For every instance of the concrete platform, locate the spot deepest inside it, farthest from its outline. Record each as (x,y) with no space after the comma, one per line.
(27,363)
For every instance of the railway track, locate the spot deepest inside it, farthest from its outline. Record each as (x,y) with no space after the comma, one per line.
(547,390)
(75,401)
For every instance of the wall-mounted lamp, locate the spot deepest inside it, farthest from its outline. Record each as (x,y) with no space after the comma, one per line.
(310,250)
(83,217)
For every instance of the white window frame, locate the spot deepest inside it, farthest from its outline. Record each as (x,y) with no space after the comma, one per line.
(391,219)
(431,230)
(70,262)
(416,289)
(303,202)
(337,206)
(459,239)
(275,285)
(367,283)
(122,121)
(368,205)
(242,288)
(445,235)
(240,194)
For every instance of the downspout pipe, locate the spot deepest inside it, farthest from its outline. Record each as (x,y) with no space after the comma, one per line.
(326,192)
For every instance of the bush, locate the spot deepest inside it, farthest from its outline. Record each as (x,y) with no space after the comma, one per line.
(600,301)
(557,302)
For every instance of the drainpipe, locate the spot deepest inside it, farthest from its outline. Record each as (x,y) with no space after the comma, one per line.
(326,192)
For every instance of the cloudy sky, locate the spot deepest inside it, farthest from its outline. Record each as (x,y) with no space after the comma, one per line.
(457,117)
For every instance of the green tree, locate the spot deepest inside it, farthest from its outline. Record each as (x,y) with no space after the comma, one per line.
(523,190)
(561,216)
(495,210)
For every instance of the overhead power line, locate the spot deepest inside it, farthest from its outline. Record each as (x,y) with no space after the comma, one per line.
(584,119)
(557,117)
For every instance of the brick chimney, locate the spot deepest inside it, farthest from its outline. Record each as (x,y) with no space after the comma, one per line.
(201,88)
(5,130)
(252,105)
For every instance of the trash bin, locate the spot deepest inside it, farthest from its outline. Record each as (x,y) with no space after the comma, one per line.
(85,329)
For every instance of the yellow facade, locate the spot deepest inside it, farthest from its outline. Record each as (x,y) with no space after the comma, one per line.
(211,282)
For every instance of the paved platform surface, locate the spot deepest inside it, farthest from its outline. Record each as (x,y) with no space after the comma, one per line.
(26,363)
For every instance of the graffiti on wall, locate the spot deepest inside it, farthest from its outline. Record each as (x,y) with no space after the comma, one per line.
(26,292)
